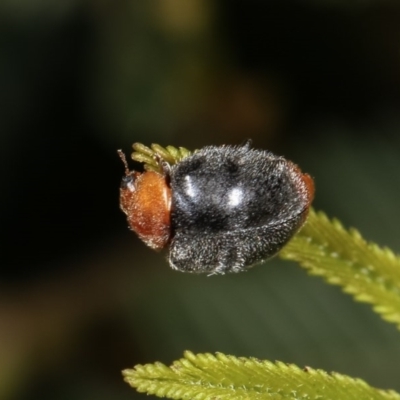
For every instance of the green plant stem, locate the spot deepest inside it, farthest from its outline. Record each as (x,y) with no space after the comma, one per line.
(342,257)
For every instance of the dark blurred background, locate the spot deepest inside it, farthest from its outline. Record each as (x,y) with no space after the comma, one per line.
(80,297)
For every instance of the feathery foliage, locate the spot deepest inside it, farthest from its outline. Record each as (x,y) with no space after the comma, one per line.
(151,156)
(207,376)
(370,273)
(325,248)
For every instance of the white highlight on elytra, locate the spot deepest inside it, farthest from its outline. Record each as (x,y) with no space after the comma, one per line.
(235,197)
(190,189)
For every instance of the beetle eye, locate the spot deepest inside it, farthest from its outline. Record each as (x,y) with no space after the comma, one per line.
(128,182)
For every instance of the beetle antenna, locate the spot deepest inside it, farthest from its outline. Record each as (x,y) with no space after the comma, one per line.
(123,159)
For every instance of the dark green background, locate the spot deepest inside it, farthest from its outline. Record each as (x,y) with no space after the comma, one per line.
(80,297)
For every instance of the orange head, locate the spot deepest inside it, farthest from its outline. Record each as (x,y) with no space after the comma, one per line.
(145,198)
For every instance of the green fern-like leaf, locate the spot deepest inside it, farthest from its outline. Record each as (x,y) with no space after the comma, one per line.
(152,156)
(370,273)
(207,376)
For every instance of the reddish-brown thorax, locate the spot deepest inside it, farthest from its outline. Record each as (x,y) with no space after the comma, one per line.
(146,201)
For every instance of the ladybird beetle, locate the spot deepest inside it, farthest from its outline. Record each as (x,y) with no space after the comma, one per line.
(220,209)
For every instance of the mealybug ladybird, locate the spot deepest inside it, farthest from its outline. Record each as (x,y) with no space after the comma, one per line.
(220,209)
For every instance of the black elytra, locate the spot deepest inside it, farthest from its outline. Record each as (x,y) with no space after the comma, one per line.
(233,207)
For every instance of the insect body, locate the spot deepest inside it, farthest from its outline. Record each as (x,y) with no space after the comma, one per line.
(221,209)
